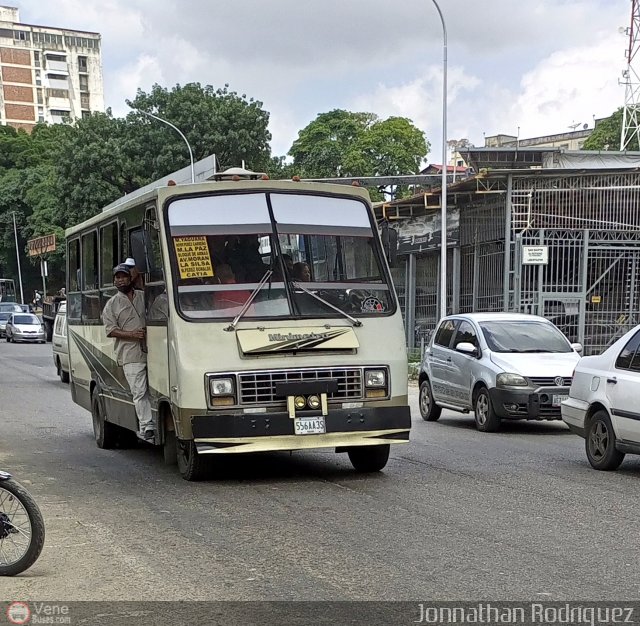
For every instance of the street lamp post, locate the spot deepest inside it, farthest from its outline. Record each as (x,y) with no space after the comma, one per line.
(155,117)
(15,234)
(443,203)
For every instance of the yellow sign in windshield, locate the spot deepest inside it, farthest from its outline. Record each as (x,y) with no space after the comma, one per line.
(193,256)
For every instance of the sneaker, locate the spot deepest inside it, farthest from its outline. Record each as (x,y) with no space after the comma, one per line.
(147,435)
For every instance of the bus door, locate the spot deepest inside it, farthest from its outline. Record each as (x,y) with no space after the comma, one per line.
(146,249)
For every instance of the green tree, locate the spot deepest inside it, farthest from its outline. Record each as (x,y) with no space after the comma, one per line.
(606,134)
(325,146)
(214,121)
(344,144)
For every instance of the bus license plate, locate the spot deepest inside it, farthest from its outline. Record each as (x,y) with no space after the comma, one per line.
(558,399)
(309,425)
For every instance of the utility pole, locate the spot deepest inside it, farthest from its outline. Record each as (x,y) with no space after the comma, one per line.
(15,234)
(631,111)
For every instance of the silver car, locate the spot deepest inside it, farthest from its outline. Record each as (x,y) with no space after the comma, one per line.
(498,365)
(24,327)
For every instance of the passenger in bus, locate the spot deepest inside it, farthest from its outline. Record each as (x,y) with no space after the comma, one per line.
(229,299)
(244,257)
(301,272)
(288,263)
(137,280)
(124,320)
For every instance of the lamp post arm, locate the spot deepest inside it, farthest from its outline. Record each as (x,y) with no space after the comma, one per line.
(155,117)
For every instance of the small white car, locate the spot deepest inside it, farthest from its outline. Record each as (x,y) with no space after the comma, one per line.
(25,327)
(604,402)
(501,366)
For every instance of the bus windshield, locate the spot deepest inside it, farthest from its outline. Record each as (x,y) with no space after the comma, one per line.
(223,245)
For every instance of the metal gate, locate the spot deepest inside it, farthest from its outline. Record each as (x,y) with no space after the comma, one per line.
(589,286)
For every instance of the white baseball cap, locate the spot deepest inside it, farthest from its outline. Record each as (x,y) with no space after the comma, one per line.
(130,262)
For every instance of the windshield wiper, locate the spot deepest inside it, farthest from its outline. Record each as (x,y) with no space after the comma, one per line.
(353,320)
(250,299)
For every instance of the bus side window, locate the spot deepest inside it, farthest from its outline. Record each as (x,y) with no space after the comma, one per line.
(157,303)
(154,252)
(74,297)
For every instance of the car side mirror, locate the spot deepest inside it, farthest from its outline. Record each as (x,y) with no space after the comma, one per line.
(467,348)
(577,347)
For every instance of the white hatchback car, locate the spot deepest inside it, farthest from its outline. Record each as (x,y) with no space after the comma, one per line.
(603,402)
(498,365)
(25,327)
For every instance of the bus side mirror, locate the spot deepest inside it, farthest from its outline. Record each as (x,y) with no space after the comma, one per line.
(390,243)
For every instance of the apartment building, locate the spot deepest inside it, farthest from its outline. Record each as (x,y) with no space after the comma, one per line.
(47,74)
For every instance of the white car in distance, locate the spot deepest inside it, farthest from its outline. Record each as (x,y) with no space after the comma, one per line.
(603,404)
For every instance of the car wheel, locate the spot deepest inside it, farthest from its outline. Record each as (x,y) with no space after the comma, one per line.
(600,443)
(366,459)
(486,419)
(429,410)
(64,376)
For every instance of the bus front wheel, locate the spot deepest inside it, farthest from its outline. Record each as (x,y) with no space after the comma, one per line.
(191,465)
(369,458)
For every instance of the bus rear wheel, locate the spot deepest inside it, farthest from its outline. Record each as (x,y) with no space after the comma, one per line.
(106,434)
(191,465)
(369,458)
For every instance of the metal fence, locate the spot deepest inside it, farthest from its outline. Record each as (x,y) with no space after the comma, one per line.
(589,286)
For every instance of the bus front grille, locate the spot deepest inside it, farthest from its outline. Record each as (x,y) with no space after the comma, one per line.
(260,387)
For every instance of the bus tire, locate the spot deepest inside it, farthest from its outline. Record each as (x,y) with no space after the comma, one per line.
(367,459)
(106,433)
(191,465)
(170,448)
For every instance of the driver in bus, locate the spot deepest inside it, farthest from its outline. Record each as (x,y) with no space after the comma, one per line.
(124,320)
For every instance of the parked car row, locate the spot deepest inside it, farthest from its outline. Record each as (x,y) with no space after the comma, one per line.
(506,366)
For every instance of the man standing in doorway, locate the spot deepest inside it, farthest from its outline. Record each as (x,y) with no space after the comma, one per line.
(124,320)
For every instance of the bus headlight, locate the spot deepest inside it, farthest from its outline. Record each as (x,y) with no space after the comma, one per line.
(375,378)
(222,391)
(222,387)
(375,383)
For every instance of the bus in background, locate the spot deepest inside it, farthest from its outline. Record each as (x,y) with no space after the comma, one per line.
(272,321)
(7,290)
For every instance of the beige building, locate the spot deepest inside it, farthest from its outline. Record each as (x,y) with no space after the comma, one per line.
(573,140)
(47,74)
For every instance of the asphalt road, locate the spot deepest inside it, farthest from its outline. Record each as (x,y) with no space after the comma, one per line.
(456,514)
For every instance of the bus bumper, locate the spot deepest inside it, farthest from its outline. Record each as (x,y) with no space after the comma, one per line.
(225,434)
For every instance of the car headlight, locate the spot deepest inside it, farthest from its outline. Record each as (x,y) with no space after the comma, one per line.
(375,378)
(221,387)
(511,380)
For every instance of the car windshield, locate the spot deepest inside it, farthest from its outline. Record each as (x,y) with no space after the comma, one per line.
(223,245)
(25,319)
(524,336)
(11,308)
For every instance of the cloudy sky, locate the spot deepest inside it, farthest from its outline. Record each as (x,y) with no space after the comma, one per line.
(542,66)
